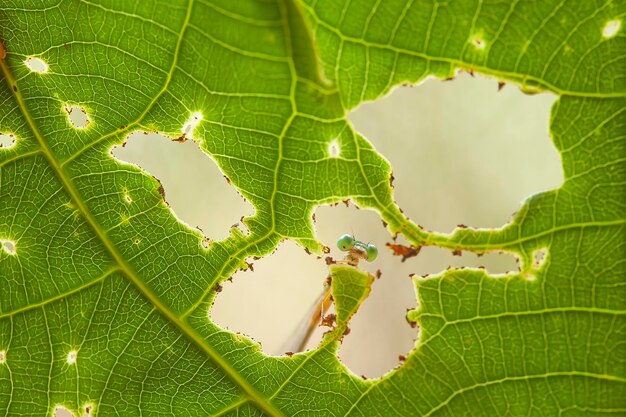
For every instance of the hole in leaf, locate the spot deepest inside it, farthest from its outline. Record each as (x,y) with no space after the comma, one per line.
(461,151)
(334,150)
(60,411)
(379,333)
(279,292)
(191,124)
(37,65)
(9,247)
(7,140)
(77,116)
(3,356)
(193,185)
(71,357)
(611,28)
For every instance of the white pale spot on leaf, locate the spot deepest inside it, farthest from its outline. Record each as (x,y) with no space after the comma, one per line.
(128,198)
(539,257)
(71,357)
(37,65)
(478,43)
(334,150)
(3,356)
(611,28)
(7,140)
(9,246)
(191,124)
(530,276)
(77,116)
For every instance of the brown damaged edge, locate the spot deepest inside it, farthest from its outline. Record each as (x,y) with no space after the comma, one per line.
(161,190)
(329,320)
(3,51)
(180,139)
(405,251)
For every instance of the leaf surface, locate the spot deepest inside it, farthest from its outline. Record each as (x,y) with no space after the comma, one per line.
(105,295)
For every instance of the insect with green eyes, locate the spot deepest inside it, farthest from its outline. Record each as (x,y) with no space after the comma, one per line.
(357,250)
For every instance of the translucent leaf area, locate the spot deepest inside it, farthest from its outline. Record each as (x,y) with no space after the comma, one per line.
(105,295)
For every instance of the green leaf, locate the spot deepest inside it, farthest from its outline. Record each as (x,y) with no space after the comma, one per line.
(104,294)
(350,286)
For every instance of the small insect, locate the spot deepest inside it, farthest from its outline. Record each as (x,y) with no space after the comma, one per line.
(356,250)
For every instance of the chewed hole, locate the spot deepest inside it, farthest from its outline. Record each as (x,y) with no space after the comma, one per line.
(60,411)
(334,149)
(281,289)
(9,247)
(192,184)
(3,356)
(539,257)
(37,65)
(191,124)
(88,410)
(378,331)
(379,334)
(71,357)
(472,152)
(77,116)
(7,140)
(128,198)
(611,28)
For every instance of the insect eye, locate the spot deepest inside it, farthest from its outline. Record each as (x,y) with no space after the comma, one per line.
(345,243)
(372,252)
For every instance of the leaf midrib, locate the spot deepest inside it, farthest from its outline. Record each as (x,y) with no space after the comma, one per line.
(124,267)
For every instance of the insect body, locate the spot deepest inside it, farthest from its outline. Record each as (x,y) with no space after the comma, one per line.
(356,249)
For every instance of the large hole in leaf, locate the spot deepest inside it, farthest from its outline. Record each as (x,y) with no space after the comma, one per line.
(379,333)
(462,151)
(195,188)
(270,303)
